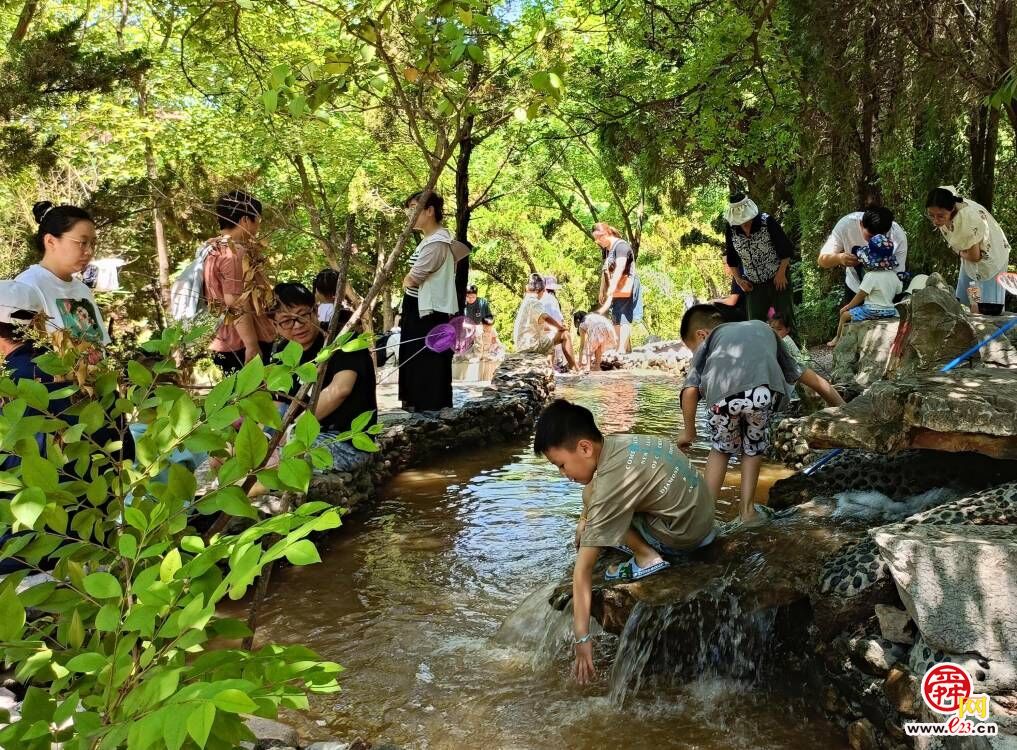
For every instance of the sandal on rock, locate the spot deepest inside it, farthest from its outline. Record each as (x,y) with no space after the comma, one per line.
(630,570)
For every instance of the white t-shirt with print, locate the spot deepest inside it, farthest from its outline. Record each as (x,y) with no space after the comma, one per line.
(847,234)
(68,304)
(880,288)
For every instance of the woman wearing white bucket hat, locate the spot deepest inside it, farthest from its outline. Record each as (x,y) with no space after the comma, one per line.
(758,254)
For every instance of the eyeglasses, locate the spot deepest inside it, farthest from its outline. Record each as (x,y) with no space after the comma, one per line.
(292,321)
(92,244)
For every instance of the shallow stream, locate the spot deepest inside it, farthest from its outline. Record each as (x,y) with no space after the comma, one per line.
(412,599)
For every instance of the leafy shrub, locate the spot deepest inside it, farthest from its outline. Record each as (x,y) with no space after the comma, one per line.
(115,647)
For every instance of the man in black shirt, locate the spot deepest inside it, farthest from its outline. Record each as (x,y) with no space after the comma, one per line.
(348,388)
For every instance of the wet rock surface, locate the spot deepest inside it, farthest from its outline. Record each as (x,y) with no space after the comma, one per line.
(814,590)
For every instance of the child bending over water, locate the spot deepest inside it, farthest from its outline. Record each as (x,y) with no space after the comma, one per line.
(596,336)
(641,492)
(743,371)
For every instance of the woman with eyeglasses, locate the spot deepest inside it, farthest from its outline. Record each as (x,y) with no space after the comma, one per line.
(65,241)
(978,240)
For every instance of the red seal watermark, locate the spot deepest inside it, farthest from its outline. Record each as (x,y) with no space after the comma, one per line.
(945,687)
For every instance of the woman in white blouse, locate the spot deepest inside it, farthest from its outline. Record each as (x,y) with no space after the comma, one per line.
(429,300)
(977,238)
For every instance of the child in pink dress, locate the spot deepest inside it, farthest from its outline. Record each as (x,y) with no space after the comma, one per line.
(596,336)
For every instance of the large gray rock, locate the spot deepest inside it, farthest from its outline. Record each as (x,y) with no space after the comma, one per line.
(958,583)
(270,734)
(963,410)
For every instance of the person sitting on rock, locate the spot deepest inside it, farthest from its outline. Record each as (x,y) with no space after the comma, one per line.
(348,389)
(879,286)
(596,337)
(640,492)
(743,372)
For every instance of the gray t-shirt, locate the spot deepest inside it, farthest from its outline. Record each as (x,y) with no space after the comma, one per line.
(739,356)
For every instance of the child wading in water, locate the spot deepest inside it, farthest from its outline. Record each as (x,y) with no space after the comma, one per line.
(879,286)
(596,336)
(641,492)
(742,370)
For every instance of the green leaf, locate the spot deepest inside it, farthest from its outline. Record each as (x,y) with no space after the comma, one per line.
(97,491)
(363,442)
(169,566)
(184,416)
(76,631)
(303,552)
(250,377)
(230,500)
(199,723)
(28,505)
(270,100)
(135,518)
(92,416)
(361,421)
(295,473)
(192,544)
(306,428)
(12,615)
(127,545)
(476,53)
(251,445)
(103,586)
(235,702)
(108,618)
(35,394)
(38,472)
(261,408)
(298,105)
(290,355)
(88,662)
(139,374)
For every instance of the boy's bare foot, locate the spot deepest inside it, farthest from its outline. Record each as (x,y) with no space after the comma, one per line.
(832,343)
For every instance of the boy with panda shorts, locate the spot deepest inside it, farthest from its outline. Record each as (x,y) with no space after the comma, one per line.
(743,372)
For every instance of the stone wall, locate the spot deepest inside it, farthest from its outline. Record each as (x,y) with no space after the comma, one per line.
(672,357)
(508,409)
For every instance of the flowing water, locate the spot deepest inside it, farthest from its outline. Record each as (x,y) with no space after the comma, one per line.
(435,605)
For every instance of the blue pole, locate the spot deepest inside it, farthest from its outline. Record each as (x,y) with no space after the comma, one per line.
(830,455)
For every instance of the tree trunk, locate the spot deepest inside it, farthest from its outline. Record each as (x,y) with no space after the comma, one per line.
(28,12)
(152,172)
(983,142)
(464,209)
(869,191)
(387,313)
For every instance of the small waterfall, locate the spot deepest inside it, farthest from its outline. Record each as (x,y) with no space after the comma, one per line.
(538,628)
(707,636)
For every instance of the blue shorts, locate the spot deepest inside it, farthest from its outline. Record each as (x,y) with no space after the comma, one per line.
(640,525)
(864,312)
(992,292)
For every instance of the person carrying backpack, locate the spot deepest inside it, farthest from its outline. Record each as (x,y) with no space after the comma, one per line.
(236,284)
(759,258)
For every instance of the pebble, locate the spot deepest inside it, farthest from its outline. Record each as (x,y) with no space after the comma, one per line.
(895,624)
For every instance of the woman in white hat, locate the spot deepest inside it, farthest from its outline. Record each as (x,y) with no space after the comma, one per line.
(758,256)
(978,239)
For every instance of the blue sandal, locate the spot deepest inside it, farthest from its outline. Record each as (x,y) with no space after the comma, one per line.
(630,570)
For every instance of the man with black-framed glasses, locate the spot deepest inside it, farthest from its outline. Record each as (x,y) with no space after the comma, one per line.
(348,388)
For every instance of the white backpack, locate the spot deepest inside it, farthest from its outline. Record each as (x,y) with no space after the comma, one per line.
(187,294)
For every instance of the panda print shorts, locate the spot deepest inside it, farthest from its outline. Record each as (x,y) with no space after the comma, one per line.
(739,424)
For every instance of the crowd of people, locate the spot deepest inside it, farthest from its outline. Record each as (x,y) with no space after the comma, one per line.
(872,248)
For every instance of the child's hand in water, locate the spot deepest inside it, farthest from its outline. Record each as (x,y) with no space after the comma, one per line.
(583,670)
